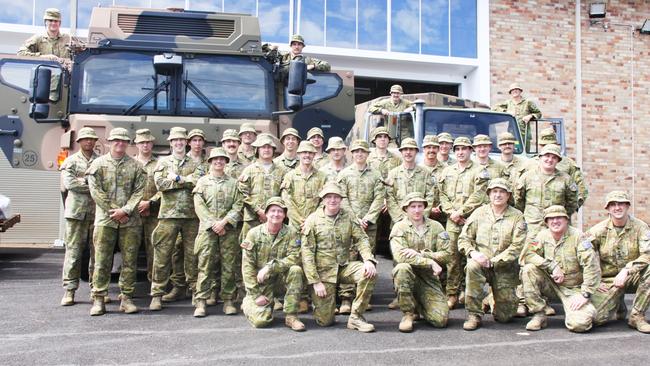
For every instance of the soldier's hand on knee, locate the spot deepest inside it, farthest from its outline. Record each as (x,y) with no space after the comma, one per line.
(558,275)
(263,274)
(369,269)
(577,301)
(621,277)
(319,289)
(480,258)
(261,300)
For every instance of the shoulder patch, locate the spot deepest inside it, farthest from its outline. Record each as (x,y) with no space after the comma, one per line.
(433,179)
(246,245)
(484,174)
(444,235)
(587,244)
(534,245)
(573,187)
(523,226)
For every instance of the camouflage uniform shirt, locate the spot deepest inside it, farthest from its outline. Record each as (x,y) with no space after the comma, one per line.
(257,186)
(432,245)
(79,204)
(176,197)
(43,44)
(300,193)
(216,198)
(384,164)
(402,181)
(629,248)
(463,188)
(536,191)
(387,103)
(364,192)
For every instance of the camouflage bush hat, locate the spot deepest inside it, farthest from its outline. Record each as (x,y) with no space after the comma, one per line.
(52,14)
(297,38)
(119,133)
(143,135)
(409,143)
(506,138)
(218,152)
(617,196)
(445,137)
(335,143)
(499,183)
(430,140)
(275,201)
(514,86)
(555,211)
(264,139)
(482,140)
(177,133)
(86,133)
(315,131)
(413,197)
(290,132)
(306,146)
(551,149)
(381,130)
(247,127)
(330,188)
(396,89)
(547,136)
(360,145)
(230,134)
(462,141)
(196,132)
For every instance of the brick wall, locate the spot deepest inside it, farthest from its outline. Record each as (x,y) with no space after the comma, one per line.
(534,43)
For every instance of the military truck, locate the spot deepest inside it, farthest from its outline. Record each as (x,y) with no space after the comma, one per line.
(159,68)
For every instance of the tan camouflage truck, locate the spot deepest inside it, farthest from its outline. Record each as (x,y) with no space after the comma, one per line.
(159,68)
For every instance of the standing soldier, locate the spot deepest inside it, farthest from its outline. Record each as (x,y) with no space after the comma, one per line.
(561,262)
(506,143)
(329,235)
(218,204)
(492,240)
(524,110)
(230,142)
(116,182)
(430,146)
(246,151)
(446,143)
(148,207)
(296,45)
(336,151)
(317,138)
(482,147)
(623,246)
(462,190)
(271,268)
(175,177)
(290,140)
(79,213)
(380,158)
(393,104)
(420,248)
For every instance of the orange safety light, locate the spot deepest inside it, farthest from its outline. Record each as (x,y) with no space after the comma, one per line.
(63,154)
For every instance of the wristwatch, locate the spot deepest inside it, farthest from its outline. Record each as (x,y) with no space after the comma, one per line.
(586,295)
(178,178)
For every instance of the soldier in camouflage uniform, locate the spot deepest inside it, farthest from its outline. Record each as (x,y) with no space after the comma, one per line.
(230,142)
(623,246)
(271,268)
(393,104)
(524,110)
(482,147)
(329,235)
(561,262)
(491,240)
(246,151)
(300,187)
(446,144)
(175,177)
(380,158)
(336,151)
(462,190)
(296,45)
(430,147)
(258,182)
(116,182)
(290,139)
(420,248)
(218,205)
(79,213)
(148,207)
(317,138)
(506,143)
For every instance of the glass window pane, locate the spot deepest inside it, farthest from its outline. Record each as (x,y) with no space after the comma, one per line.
(19,74)
(372,25)
(435,27)
(405,16)
(326,86)
(311,22)
(463,28)
(341,23)
(274,20)
(20,12)
(63,5)
(85,8)
(240,6)
(206,5)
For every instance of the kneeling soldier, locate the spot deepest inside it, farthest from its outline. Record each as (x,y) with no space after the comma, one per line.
(420,246)
(271,267)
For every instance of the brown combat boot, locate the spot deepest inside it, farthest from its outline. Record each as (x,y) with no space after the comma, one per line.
(522,311)
(277,305)
(638,322)
(548,310)
(394,305)
(406,324)
(98,307)
(452,301)
(212,300)
(472,322)
(358,322)
(538,322)
(127,305)
(156,303)
(229,307)
(303,306)
(294,323)
(68,298)
(176,294)
(346,307)
(200,310)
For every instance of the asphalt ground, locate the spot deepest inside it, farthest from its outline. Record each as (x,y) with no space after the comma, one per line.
(35,329)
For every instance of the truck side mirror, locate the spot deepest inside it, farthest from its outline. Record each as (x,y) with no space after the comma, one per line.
(294,102)
(39,111)
(41,82)
(297,80)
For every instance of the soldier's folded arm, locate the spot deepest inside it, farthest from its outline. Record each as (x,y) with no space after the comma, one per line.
(466,239)
(443,254)
(362,243)
(432,195)
(308,253)
(70,180)
(477,197)
(163,183)
(235,214)
(377,203)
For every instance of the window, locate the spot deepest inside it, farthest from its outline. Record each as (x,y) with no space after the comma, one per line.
(341,23)
(435,27)
(312,22)
(405,28)
(326,86)
(18,74)
(274,20)
(463,28)
(372,25)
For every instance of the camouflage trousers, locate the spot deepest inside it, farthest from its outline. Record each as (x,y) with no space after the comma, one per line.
(148,225)
(211,250)
(78,235)
(290,284)
(422,293)
(607,303)
(537,283)
(455,266)
(532,230)
(346,290)
(502,278)
(105,238)
(164,238)
(352,273)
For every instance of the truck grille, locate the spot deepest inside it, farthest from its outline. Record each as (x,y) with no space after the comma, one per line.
(169,26)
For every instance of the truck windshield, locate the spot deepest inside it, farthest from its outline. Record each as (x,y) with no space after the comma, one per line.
(463,122)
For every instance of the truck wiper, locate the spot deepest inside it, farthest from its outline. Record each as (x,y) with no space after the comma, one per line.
(213,108)
(146,98)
